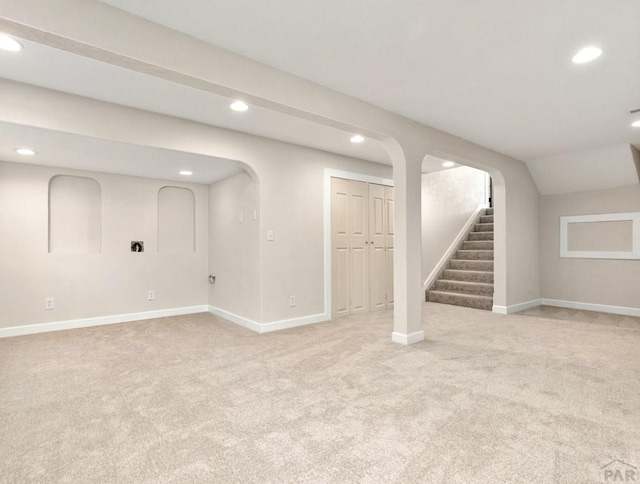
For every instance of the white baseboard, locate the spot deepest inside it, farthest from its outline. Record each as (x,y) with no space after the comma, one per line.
(271,326)
(407,339)
(99,321)
(234,318)
(514,308)
(602,308)
(453,247)
(295,322)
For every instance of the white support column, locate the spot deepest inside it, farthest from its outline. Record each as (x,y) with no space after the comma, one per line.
(407,261)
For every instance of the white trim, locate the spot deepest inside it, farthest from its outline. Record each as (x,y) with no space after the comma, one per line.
(602,308)
(347,175)
(328,174)
(453,247)
(99,321)
(234,318)
(271,326)
(407,339)
(514,308)
(633,217)
(294,322)
(499,309)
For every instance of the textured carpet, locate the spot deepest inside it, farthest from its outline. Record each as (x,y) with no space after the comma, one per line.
(486,399)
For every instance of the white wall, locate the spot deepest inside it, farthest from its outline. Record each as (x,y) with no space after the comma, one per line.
(595,281)
(110,282)
(517,238)
(234,246)
(291,197)
(516,244)
(256,277)
(449,198)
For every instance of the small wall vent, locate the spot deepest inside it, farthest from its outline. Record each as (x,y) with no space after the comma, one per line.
(634,111)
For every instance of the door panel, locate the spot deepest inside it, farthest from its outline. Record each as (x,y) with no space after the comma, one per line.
(389,277)
(358,210)
(377,232)
(362,246)
(339,247)
(341,282)
(359,281)
(388,203)
(377,281)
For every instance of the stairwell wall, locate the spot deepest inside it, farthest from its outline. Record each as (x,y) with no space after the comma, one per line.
(449,198)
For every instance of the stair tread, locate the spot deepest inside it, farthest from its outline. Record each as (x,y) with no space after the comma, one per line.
(479,288)
(462,294)
(475,283)
(467,270)
(468,279)
(474,250)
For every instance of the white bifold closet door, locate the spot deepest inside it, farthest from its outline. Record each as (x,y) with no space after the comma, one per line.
(362,246)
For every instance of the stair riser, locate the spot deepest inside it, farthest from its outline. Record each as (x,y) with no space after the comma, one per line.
(471,265)
(477,245)
(460,300)
(474,236)
(468,280)
(469,276)
(475,254)
(483,227)
(464,287)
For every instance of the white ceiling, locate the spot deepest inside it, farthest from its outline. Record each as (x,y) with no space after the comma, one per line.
(83,153)
(63,71)
(598,169)
(497,73)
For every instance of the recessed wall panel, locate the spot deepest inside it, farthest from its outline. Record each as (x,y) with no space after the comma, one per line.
(176,220)
(75,215)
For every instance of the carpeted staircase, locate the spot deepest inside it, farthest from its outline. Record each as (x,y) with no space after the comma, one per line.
(468,278)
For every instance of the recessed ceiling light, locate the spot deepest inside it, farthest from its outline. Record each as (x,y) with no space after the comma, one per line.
(9,44)
(186,172)
(239,106)
(587,55)
(448,164)
(636,124)
(357,138)
(24,151)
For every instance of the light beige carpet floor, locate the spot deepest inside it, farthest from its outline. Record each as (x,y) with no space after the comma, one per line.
(486,399)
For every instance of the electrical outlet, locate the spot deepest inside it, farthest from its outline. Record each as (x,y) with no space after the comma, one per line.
(151,295)
(49,303)
(270,235)
(292,301)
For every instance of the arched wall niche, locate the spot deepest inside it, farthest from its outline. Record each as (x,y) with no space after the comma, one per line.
(75,214)
(176,219)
